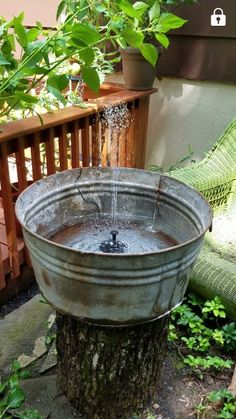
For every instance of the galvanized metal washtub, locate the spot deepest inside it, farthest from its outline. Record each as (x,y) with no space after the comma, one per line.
(113,288)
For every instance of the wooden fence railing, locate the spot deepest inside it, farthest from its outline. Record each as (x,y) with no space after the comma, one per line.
(110,132)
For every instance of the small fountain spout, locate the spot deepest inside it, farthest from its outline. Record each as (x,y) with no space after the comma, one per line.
(112,245)
(113,235)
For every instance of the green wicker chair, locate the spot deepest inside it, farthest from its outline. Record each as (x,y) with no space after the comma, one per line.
(215,177)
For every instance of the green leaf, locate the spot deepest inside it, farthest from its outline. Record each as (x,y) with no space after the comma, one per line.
(56,93)
(150,53)
(60,9)
(58,82)
(26,97)
(140,7)
(168,21)
(121,42)
(20,17)
(163,39)
(23,375)
(87,55)
(33,34)
(84,35)
(91,78)
(11,41)
(3,386)
(100,8)
(132,37)
(14,381)
(15,398)
(129,10)
(20,32)
(3,60)
(39,25)
(154,12)
(15,366)
(37,57)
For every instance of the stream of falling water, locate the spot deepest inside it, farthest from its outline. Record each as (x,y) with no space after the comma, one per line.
(114,196)
(116,120)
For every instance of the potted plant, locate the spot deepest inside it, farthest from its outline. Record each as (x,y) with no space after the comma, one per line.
(141,29)
(137,28)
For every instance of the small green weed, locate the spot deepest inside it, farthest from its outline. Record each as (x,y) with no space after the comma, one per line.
(199,327)
(51,334)
(200,364)
(223,402)
(214,306)
(178,164)
(12,395)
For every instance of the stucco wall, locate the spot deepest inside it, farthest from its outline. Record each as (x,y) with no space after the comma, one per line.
(42,10)
(186,113)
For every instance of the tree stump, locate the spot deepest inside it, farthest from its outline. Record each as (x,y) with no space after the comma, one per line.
(106,372)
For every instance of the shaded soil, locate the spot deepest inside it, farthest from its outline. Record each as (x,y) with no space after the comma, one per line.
(23,296)
(179,392)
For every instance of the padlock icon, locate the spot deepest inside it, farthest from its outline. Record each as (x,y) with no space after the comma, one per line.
(218,17)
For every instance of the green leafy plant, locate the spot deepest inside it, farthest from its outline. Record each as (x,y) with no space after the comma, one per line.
(222,401)
(12,396)
(199,327)
(229,335)
(43,56)
(83,36)
(199,364)
(136,24)
(214,306)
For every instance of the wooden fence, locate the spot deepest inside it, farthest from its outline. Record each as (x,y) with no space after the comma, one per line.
(109,132)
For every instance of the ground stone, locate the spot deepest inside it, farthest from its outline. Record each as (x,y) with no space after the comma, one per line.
(51,359)
(20,329)
(42,394)
(39,350)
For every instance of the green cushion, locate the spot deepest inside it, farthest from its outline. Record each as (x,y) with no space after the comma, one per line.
(215,177)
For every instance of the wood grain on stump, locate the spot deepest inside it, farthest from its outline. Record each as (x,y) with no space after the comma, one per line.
(110,373)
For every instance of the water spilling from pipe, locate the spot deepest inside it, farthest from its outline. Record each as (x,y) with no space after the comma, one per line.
(117,117)
(116,120)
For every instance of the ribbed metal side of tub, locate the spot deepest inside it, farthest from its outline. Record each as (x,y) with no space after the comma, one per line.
(113,289)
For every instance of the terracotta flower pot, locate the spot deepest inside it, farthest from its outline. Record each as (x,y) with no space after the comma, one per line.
(139,74)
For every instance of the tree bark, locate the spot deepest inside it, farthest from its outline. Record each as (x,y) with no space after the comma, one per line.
(110,373)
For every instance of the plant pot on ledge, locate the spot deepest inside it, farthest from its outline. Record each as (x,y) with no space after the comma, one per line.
(139,74)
